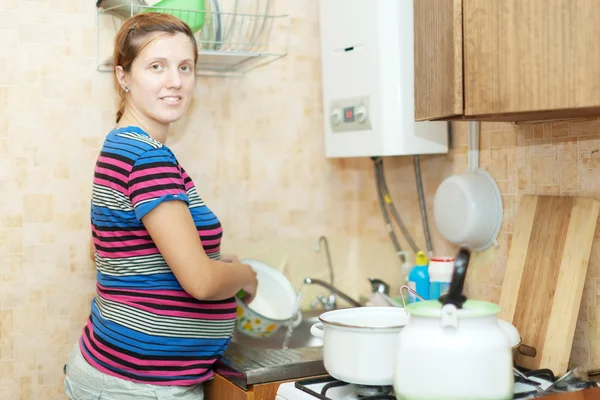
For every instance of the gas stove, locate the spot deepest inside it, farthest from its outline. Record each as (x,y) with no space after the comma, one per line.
(329,388)
(528,385)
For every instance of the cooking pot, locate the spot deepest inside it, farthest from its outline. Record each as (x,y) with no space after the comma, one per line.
(514,339)
(359,343)
(454,348)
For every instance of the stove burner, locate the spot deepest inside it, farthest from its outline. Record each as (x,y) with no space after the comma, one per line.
(330,385)
(369,392)
(572,381)
(363,392)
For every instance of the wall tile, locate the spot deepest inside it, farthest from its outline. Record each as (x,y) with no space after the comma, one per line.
(541,170)
(560,128)
(569,176)
(506,138)
(582,128)
(499,163)
(589,170)
(565,149)
(38,207)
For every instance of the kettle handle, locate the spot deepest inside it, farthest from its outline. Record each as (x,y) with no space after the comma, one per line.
(454,295)
(317,330)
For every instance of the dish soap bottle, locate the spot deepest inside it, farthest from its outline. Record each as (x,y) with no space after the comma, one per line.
(440,275)
(418,280)
(406,267)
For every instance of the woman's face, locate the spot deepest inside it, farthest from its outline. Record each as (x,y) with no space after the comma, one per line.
(161,79)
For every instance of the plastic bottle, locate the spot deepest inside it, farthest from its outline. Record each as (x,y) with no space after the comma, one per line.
(406,267)
(418,280)
(440,275)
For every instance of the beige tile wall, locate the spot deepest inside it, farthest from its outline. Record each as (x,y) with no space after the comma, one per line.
(255,149)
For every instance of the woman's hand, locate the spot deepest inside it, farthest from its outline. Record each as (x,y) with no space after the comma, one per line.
(229,258)
(251,287)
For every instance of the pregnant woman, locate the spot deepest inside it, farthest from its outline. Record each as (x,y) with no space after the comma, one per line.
(164,308)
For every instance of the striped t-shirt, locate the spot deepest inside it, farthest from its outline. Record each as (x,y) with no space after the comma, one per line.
(143,326)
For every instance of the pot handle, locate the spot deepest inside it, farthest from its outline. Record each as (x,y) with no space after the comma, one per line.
(527,350)
(317,330)
(298,319)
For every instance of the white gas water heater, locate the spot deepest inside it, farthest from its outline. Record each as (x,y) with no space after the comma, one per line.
(367,54)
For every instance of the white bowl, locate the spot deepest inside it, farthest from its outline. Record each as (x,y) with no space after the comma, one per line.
(272,307)
(275,295)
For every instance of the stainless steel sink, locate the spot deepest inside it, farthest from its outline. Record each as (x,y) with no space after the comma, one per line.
(301,336)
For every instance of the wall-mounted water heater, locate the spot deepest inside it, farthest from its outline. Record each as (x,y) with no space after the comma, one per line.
(367,55)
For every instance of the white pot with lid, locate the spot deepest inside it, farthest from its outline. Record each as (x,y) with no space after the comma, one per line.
(454,349)
(359,344)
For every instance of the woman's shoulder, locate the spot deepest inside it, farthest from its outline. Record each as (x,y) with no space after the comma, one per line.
(134,136)
(133,143)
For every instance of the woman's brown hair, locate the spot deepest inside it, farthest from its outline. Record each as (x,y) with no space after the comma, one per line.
(135,34)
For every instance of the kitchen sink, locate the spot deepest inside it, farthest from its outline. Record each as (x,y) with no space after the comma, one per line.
(301,336)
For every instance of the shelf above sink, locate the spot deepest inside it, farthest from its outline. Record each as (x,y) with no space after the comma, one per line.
(229,44)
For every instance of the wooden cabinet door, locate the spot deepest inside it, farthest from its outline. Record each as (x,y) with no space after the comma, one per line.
(438,58)
(267,391)
(531,55)
(220,388)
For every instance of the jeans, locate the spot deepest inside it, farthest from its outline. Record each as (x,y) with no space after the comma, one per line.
(84,382)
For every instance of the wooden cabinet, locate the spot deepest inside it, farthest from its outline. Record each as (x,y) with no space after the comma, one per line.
(221,389)
(507,60)
(438,59)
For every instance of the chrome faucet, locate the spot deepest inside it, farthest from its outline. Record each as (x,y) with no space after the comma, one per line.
(318,248)
(379,286)
(329,303)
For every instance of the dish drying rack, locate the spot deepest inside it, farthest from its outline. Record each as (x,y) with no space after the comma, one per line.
(229,44)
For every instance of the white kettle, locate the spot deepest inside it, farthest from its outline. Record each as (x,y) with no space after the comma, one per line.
(454,348)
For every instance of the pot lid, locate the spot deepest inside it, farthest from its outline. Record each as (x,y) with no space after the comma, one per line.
(470,309)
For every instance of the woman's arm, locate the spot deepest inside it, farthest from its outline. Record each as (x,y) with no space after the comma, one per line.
(172,229)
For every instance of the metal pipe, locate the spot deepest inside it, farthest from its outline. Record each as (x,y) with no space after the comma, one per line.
(311,281)
(384,212)
(422,205)
(388,200)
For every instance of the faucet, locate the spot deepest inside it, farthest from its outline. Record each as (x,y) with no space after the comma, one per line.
(329,303)
(379,286)
(318,248)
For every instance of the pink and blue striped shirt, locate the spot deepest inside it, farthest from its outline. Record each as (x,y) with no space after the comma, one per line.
(143,326)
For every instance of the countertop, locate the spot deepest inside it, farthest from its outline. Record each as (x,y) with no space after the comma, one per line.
(245,366)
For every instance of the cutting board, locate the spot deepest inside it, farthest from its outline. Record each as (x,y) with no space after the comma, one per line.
(545,272)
